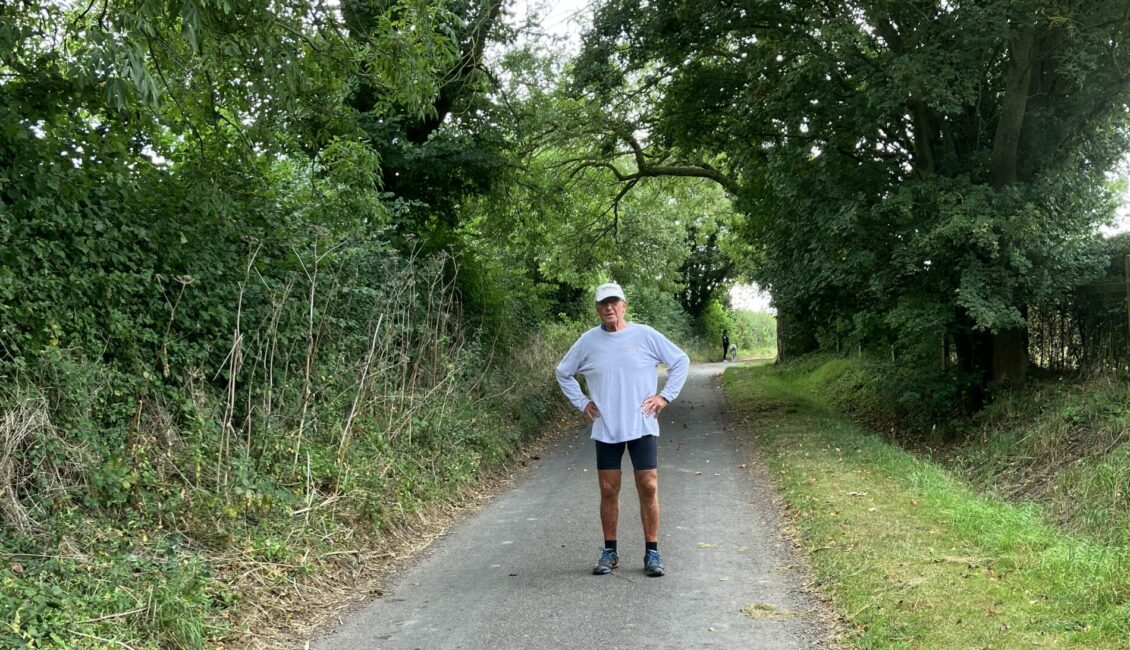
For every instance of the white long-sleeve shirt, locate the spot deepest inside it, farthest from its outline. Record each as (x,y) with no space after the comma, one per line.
(621,371)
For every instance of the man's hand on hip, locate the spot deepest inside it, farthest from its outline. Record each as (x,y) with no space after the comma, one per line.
(653,405)
(591,411)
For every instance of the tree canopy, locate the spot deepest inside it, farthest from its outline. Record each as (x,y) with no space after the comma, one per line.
(909,168)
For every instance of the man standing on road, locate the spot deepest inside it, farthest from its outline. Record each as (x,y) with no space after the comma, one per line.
(619,362)
(725,345)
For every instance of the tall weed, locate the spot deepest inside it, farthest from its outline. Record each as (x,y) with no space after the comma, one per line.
(346,396)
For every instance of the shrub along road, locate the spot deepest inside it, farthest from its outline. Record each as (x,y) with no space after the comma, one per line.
(518,574)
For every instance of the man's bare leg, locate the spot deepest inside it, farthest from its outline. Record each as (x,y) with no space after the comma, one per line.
(647,485)
(609,501)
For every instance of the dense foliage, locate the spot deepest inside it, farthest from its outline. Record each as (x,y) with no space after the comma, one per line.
(274,275)
(206,322)
(913,171)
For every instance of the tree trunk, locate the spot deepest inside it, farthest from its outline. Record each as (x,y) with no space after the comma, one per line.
(1000,358)
(1018,81)
(1006,355)
(973,358)
(1010,357)
(794,337)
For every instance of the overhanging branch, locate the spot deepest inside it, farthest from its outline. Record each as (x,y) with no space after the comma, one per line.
(645,169)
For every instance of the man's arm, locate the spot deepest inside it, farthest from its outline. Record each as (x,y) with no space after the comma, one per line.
(565,372)
(678,365)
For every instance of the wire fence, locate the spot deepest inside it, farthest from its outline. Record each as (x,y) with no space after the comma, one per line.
(1087,333)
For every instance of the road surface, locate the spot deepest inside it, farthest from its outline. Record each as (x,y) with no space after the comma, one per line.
(519,573)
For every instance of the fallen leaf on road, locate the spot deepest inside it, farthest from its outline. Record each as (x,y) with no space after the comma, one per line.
(705,545)
(698,473)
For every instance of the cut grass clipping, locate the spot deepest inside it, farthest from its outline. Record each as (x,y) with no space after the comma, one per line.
(911,556)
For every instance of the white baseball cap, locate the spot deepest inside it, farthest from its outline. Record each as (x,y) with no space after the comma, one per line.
(609,290)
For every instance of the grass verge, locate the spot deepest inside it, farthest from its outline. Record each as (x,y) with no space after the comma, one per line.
(912,556)
(1063,444)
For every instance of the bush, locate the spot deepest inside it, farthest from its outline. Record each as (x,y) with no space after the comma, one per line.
(755,333)
(914,402)
(650,305)
(355,383)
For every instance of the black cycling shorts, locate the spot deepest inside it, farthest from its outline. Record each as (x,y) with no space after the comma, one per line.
(644,452)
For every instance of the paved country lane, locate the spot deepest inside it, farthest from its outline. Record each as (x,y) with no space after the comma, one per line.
(519,573)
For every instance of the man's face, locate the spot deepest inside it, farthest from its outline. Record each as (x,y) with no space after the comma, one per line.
(611,310)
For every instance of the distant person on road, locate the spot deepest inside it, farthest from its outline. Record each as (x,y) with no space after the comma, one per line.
(725,344)
(619,362)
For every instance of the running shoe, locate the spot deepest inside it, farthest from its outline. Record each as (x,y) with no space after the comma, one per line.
(652,566)
(608,561)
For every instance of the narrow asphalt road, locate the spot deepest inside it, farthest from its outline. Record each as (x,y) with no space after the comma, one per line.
(519,574)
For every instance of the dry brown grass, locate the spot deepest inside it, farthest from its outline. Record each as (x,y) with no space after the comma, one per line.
(29,480)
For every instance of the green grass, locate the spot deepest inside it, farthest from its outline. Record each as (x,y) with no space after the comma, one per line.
(911,555)
(1065,445)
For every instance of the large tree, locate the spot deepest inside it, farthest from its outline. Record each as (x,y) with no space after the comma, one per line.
(575,208)
(451,149)
(910,168)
